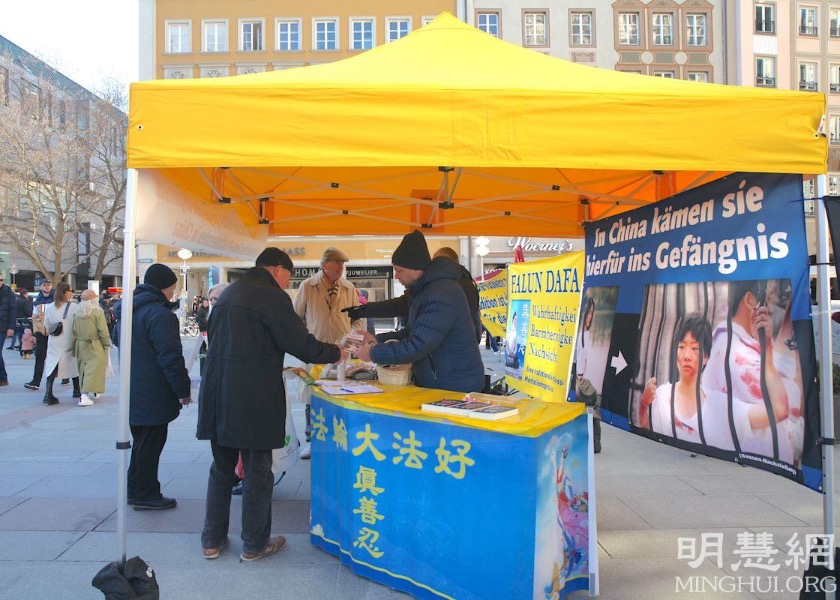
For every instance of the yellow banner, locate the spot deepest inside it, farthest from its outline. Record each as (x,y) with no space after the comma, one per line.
(492,301)
(543,301)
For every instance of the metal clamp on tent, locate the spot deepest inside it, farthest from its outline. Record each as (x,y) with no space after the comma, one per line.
(828,441)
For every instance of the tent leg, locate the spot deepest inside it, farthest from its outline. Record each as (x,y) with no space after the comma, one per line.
(826,366)
(123,442)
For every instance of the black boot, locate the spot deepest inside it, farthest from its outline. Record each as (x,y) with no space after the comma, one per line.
(77,391)
(596,434)
(49,398)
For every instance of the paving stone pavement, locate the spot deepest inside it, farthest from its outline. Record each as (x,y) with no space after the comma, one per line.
(58,485)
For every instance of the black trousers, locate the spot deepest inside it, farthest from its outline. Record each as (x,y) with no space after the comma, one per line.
(40,357)
(257,488)
(149,441)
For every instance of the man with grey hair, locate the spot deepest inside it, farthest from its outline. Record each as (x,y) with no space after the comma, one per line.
(320,301)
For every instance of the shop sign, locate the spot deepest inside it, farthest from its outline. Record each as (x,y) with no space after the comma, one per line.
(539,246)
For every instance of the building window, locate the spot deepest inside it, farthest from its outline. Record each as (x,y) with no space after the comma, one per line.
(834,22)
(82,115)
(325,34)
(664,74)
(251,35)
(663,29)
(62,113)
(834,129)
(361,34)
(32,99)
(215,36)
(834,86)
(488,22)
(809,191)
(288,35)
(175,74)
(536,29)
(582,27)
(695,30)
(427,20)
(765,18)
(700,76)
(178,37)
(833,185)
(808,76)
(628,29)
(397,28)
(765,71)
(4,85)
(808,21)
(248,69)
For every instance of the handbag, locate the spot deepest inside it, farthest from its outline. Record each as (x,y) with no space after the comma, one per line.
(57,328)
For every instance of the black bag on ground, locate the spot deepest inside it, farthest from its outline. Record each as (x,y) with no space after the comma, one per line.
(134,582)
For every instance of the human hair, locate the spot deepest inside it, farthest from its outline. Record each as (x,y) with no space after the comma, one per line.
(447,252)
(88,306)
(218,286)
(61,288)
(588,307)
(699,327)
(739,289)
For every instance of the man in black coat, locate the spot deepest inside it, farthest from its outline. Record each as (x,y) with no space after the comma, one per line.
(242,402)
(23,306)
(44,297)
(160,384)
(8,322)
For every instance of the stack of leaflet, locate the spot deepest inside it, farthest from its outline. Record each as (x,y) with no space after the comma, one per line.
(470,409)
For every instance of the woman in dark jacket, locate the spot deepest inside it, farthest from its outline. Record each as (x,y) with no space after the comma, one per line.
(160,385)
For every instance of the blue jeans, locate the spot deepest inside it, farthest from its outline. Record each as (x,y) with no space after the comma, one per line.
(257,488)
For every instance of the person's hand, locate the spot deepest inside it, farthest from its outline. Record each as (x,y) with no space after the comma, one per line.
(186,401)
(762,321)
(345,354)
(369,338)
(354,312)
(10,333)
(363,353)
(649,394)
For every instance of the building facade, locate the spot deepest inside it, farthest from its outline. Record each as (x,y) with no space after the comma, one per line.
(54,196)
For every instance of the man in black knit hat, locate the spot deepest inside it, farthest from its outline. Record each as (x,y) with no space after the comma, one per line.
(160,384)
(439,339)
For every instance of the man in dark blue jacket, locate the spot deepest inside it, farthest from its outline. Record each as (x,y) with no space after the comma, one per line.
(160,384)
(439,339)
(8,322)
(242,408)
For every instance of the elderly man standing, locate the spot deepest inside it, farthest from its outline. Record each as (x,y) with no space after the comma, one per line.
(439,339)
(242,406)
(320,302)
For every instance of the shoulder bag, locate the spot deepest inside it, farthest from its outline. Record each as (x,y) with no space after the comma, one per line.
(59,327)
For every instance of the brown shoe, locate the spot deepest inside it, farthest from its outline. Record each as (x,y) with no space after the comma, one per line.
(211,553)
(274,546)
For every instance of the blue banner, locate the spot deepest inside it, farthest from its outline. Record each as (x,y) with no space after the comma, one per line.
(441,510)
(695,325)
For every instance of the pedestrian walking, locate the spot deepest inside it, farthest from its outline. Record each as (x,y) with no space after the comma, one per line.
(42,300)
(90,343)
(58,320)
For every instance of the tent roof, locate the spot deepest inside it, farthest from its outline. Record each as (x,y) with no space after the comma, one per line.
(514,139)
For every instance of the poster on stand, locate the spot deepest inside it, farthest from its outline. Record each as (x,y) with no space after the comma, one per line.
(492,301)
(695,325)
(543,299)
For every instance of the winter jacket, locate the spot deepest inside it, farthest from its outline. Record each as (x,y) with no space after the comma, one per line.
(325,320)
(201,316)
(38,307)
(8,308)
(398,307)
(242,402)
(158,375)
(439,340)
(23,307)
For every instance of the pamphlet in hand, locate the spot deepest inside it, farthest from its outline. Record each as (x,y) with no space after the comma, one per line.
(352,342)
(302,373)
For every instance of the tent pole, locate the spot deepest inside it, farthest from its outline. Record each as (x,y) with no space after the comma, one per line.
(123,443)
(824,354)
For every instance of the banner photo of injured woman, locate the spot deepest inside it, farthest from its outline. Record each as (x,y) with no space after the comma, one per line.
(695,325)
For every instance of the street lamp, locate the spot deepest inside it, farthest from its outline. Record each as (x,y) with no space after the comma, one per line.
(13,270)
(482,249)
(184,255)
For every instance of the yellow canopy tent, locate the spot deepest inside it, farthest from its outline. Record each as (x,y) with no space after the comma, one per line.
(457,132)
(449,130)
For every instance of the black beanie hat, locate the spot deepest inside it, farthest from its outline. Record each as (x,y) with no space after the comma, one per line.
(159,276)
(273,257)
(412,253)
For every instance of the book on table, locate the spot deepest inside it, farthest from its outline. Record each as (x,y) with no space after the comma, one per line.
(469,409)
(492,412)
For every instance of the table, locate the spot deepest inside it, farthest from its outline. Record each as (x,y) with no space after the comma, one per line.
(442,507)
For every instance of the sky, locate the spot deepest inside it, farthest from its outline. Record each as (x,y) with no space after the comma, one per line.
(87,40)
